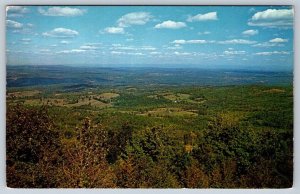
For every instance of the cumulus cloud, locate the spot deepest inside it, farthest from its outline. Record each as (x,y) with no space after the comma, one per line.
(137,54)
(114,30)
(61,11)
(127,20)
(65,42)
(189,42)
(272,53)
(16,11)
(88,47)
(175,47)
(155,53)
(272,43)
(169,24)
(182,53)
(250,32)
(233,41)
(13,24)
(17,27)
(134,18)
(44,50)
(237,41)
(203,17)
(147,48)
(71,51)
(267,44)
(93,43)
(273,18)
(231,52)
(61,33)
(278,40)
(26,39)
(117,52)
(126,53)
(30,25)
(204,33)
(136,48)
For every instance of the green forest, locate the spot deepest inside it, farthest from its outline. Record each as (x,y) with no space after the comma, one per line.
(167,137)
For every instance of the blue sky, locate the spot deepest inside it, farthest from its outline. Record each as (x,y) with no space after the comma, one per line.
(214,37)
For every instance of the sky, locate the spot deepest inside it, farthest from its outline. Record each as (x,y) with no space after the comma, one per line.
(211,37)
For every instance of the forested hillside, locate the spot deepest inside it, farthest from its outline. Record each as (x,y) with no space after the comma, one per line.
(159,137)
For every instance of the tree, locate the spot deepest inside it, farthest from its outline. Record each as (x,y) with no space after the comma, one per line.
(33,148)
(84,164)
(117,142)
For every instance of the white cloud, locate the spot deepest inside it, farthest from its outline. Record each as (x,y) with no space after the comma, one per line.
(44,50)
(251,10)
(61,33)
(16,11)
(272,53)
(182,53)
(71,51)
(125,53)
(114,30)
(174,47)
(196,41)
(61,11)
(134,18)
(13,24)
(29,25)
(116,45)
(122,47)
(179,42)
(155,53)
(267,44)
(26,39)
(117,52)
(231,52)
(137,54)
(250,32)
(272,43)
(204,33)
(65,42)
(147,48)
(278,40)
(136,48)
(273,18)
(87,47)
(237,41)
(203,17)
(93,44)
(233,41)
(189,42)
(273,14)
(170,25)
